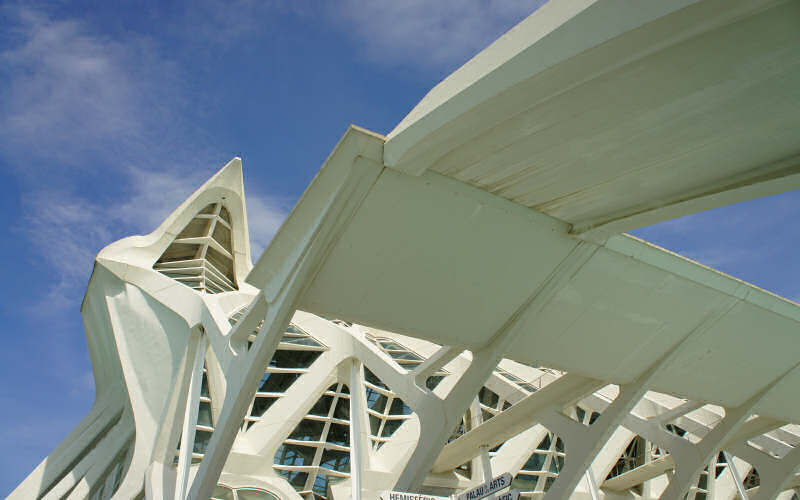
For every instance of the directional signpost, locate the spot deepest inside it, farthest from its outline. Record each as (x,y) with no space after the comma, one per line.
(509,495)
(498,483)
(404,495)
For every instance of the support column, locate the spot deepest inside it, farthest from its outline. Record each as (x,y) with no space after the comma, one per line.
(280,293)
(433,436)
(357,451)
(190,420)
(585,443)
(737,479)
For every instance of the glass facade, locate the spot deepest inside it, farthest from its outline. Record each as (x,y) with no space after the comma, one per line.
(316,453)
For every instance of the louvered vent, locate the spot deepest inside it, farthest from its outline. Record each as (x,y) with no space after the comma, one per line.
(201,257)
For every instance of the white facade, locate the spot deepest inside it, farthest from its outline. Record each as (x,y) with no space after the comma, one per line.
(456,300)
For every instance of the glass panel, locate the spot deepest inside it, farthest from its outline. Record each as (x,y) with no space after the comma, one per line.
(375,400)
(391,345)
(293,359)
(405,355)
(545,444)
(293,454)
(320,485)
(488,397)
(390,426)
(261,404)
(201,439)
(399,408)
(373,379)
(432,382)
(204,387)
(308,430)
(301,341)
(336,460)
(535,463)
(342,410)
(322,407)
(277,382)
(296,478)
(374,424)
(339,434)
(204,415)
(525,482)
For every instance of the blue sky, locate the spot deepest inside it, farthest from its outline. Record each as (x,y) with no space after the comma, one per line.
(111,113)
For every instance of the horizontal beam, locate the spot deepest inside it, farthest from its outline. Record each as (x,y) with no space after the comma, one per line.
(520,417)
(776,178)
(641,474)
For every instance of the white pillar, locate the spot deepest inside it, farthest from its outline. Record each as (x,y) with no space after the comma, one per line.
(190,420)
(736,479)
(356,451)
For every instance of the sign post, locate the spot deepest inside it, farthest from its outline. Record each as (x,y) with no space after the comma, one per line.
(484,490)
(404,495)
(496,484)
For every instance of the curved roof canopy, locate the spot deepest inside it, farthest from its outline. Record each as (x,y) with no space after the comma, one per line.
(494,211)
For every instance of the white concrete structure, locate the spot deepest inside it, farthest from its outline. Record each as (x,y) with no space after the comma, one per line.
(457,300)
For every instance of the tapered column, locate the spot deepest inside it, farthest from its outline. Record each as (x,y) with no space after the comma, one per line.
(190,421)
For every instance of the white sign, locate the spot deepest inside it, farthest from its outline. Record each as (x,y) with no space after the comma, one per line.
(486,489)
(403,495)
(509,495)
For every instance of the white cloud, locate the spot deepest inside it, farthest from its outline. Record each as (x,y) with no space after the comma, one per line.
(264,216)
(70,93)
(92,125)
(421,32)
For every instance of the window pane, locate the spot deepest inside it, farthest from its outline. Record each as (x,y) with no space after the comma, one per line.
(336,460)
(201,439)
(433,381)
(339,434)
(488,397)
(342,410)
(373,379)
(322,406)
(293,359)
(204,415)
(399,408)
(261,404)
(308,430)
(293,454)
(296,478)
(390,426)
(375,400)
(277,382)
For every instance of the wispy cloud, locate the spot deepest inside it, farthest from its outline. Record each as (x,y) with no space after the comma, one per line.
(90,126)
(434,34)
(754,240)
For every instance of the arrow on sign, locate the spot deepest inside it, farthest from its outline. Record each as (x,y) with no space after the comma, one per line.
(484,490)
